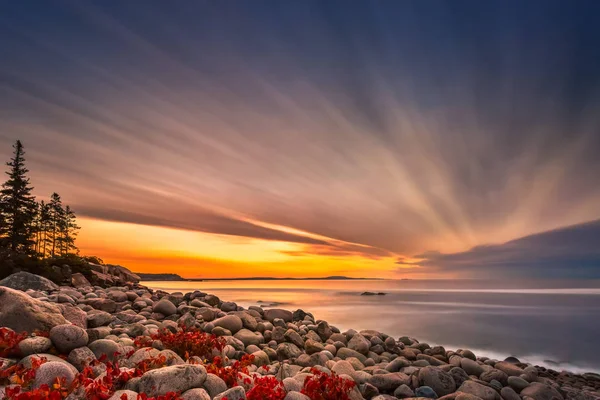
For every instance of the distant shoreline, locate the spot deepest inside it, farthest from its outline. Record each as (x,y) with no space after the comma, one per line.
(177,278)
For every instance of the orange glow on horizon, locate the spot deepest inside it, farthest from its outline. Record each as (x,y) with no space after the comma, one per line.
(194,254)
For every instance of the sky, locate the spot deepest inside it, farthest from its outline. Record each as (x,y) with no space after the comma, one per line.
(390,139)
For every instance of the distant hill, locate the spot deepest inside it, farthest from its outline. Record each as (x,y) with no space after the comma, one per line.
(160,277)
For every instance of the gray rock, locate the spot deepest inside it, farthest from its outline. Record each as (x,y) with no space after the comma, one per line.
(494,374)
(359,343)
(81,357)
(20,312)
(345,352)
(471,367)
(287,351)
(78,280)
(260,358)
(426,391)
(517,383)
(312,346)
(248,337)
(235,393)
(479,390)
(459,375)
(324,330)
(232,323)
(396,364)
(74,315)
(508,368)
(25,280)
(105,347)
(440,381)
(195,394)
(49,371)
(540,391)
(404,391)
(273,313)
(296,396)
(214,385)
(33,345)
(164,307)
(68,337)
(97,318)
(389,382)
(508,393)
(294,337)
(176,378)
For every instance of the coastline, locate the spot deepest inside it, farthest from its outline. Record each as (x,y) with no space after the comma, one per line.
(294,345)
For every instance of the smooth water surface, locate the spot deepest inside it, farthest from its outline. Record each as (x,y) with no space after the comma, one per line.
(555,323)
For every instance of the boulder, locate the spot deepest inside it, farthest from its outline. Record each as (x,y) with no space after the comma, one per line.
(25,280)
(232,323)
(106,347)
(20,312)
(540,391)
(34,345)
(273,313)
(195,394)
(164,307)
(471,367)
(176,378)
(74,315)
(81,357)
(97,318)
(479,390)
(440,381)
(129,395)
(214,385)
(389,382)
(248,337)
(508,368)
(235,393)
(68,337)
(360,344)
(78,280)
(47,373)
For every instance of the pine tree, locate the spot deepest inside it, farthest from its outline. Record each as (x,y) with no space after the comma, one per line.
(71,230)
(17,206)
(45,226)
(57,218)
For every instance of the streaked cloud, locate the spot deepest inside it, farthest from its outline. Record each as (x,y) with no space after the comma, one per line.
(377,131)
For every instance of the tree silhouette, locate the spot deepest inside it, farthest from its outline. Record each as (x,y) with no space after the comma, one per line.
(57,220)
(17,206)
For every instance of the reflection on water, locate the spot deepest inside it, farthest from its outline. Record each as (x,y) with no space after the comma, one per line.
(540,322)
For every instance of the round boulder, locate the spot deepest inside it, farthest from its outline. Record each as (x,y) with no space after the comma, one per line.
(440,381)
(164,307)
(176,378)
(68,337)
(47,373)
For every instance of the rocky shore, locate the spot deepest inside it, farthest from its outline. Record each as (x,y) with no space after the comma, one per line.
(132,342)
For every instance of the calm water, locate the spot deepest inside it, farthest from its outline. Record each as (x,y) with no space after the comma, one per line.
(540,322)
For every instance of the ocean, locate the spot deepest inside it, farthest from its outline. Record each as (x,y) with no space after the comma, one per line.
(551,323)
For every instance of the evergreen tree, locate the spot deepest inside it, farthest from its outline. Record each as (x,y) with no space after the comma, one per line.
(17,206)
(45,225)
(57,218)
(71,230)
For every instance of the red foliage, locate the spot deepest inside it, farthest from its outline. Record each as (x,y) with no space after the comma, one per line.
(186,342)
(19,375)
(9,342)
(266,388)
(230,373)
(323,386)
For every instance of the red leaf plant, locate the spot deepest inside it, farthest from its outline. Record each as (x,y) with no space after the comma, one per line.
(266,388)
(186,342)
(9,342)
(323,386)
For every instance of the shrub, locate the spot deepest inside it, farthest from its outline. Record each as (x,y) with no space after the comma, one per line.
(231,373)
(323,386)
(9,342)
(266,388)
(186,343)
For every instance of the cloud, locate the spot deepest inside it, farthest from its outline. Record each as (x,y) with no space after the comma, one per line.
(571,252)
(202,221)
(400,139)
